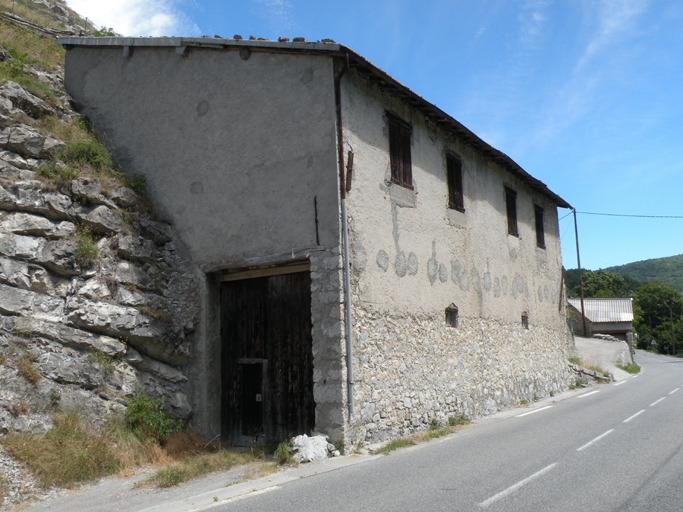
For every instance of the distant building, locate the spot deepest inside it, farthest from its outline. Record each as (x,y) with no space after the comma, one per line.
(603,316)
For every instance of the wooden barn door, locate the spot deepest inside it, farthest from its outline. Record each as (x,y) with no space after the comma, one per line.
(267,359)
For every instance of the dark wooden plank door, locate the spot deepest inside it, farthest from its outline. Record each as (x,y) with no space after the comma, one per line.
(266,333)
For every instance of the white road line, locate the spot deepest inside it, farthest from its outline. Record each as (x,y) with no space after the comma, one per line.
(636,414)
(519,484)
(588,394)
(621,382)
(657,401)
(234,499)
(672,392)
(595,440)
(535,411)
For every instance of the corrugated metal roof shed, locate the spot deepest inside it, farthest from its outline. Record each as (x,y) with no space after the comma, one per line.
(605,310)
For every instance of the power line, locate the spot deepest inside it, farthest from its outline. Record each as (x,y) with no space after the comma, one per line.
(629,215)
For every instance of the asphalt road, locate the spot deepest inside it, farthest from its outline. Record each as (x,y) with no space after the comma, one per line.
(608,447)
(611,447)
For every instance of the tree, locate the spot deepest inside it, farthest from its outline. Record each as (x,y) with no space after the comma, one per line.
(602,284)
(655,304)
(654,299)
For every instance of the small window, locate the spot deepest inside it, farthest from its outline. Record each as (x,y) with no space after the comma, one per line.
(454,172)
(399,152)
(452,315)
(540,235)
(511,209)
(525,320)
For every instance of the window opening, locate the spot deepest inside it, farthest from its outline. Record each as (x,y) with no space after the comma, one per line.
(540,235)
(399,152)
(525,320)
(454,175)
(452,315)
(511,209)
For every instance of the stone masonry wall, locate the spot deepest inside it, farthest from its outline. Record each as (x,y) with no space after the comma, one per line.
(411,370)
(329,377)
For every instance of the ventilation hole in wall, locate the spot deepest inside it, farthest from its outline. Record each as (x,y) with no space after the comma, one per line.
(525,320)
(452,315)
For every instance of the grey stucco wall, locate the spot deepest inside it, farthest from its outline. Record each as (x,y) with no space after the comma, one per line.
(236,153)
(413,257)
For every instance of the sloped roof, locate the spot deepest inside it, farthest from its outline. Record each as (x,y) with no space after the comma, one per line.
(605,310)
(355,61)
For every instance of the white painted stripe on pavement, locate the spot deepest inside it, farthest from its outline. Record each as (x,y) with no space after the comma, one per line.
(595,440)
(672,392)
(519,484)
(535,411)
(636,414)
(621,382)
(588,394)
(234,499)
(657,401)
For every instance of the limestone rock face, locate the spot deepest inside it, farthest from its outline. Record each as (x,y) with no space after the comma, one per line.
(24,100)
(77,330)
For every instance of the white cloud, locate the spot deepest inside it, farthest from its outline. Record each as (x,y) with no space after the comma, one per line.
(278,14)
(137,17)
(615,18)
(532,20)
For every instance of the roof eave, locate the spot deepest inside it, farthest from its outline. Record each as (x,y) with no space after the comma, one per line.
(359,63)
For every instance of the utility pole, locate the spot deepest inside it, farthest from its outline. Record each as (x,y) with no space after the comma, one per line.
(673,339)
(578,263)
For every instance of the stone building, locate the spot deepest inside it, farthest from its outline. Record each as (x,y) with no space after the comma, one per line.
(367,263)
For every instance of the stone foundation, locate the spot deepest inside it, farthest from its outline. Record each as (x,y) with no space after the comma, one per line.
(414,369)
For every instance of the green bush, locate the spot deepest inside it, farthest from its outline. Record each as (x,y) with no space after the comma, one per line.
(170,476)
(106,32)
(86,251)
(629,367)
(88,152)
(145,416)
(458,420)
(283,453)
(139,185)
(60,174)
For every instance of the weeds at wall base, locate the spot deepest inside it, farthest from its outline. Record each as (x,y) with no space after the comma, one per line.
(629,368)
(454,423)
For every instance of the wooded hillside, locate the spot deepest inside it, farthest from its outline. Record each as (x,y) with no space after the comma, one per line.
(668,270)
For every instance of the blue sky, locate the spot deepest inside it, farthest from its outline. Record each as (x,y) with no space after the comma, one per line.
(585,95)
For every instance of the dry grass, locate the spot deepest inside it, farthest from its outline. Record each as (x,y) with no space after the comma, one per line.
(67,454)
(189,457)
(4,488)
(589,365)
(35,13)
(71,453)
(41,52)
(27,370)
